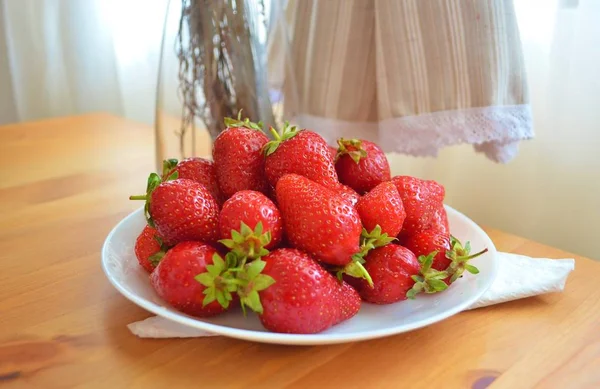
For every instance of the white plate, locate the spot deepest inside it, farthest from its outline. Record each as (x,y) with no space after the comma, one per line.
(372,321)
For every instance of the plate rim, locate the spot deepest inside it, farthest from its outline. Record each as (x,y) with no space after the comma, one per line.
(295,339)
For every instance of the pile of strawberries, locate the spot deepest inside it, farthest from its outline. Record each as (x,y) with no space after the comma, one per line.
(294,230)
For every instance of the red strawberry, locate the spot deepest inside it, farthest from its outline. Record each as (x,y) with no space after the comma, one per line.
(253,220)
(320,222)
(361,164)
(436,190)
(148,249)
(300,152)
(349,301)
(382,206)
(426,242)
(196,169)
(239,162)
(397,275)
(181,210)
(347,193)
(304,298)
(447,252)
(439,222)
(420,199)
(176,280)
(391,268)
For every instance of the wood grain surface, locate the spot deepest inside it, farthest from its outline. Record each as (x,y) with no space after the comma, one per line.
(64,184)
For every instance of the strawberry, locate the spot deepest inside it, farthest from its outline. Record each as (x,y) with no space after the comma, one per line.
(181,275)
(436,190)
(361,164)
(304,298)
(448,252)
(180,210)
(382,206)
(347,193)
(250,223)
(300,152)
(426,242)
(318,220)
(196,169)
(239,162)
(349,301)
(421,199)
(149,249)
(391,268)
(397,275)
(439,221)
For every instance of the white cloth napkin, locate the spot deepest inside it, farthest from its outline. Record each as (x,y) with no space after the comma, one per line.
(518,277)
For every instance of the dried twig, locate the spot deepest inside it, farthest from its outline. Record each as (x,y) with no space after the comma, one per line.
(218,63)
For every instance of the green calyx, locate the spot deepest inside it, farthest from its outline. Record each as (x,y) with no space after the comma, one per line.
(239,123)
(220,281)
(355,269)
(372,240)
(428,280)
(155,258)
(250,282)
(239,273)
(154,180)
(287,132)
(368,241)
(247,243)
(460,256)
(352,147)
(167,166)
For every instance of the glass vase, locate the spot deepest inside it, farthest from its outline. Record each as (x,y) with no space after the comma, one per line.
(212,65)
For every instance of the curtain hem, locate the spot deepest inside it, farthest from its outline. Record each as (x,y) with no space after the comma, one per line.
(494,131)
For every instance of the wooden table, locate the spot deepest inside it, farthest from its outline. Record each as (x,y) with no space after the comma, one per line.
(64,184)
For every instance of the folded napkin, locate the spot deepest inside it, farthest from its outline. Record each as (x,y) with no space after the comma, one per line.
(518,277)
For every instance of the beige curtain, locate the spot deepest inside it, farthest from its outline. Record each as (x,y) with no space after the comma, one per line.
(413,75)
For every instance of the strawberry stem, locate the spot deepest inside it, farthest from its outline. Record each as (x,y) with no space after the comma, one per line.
(357,270)
(460,256)
(275,133)
(485,250)
(154,180)
(287,132)
(233,281)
